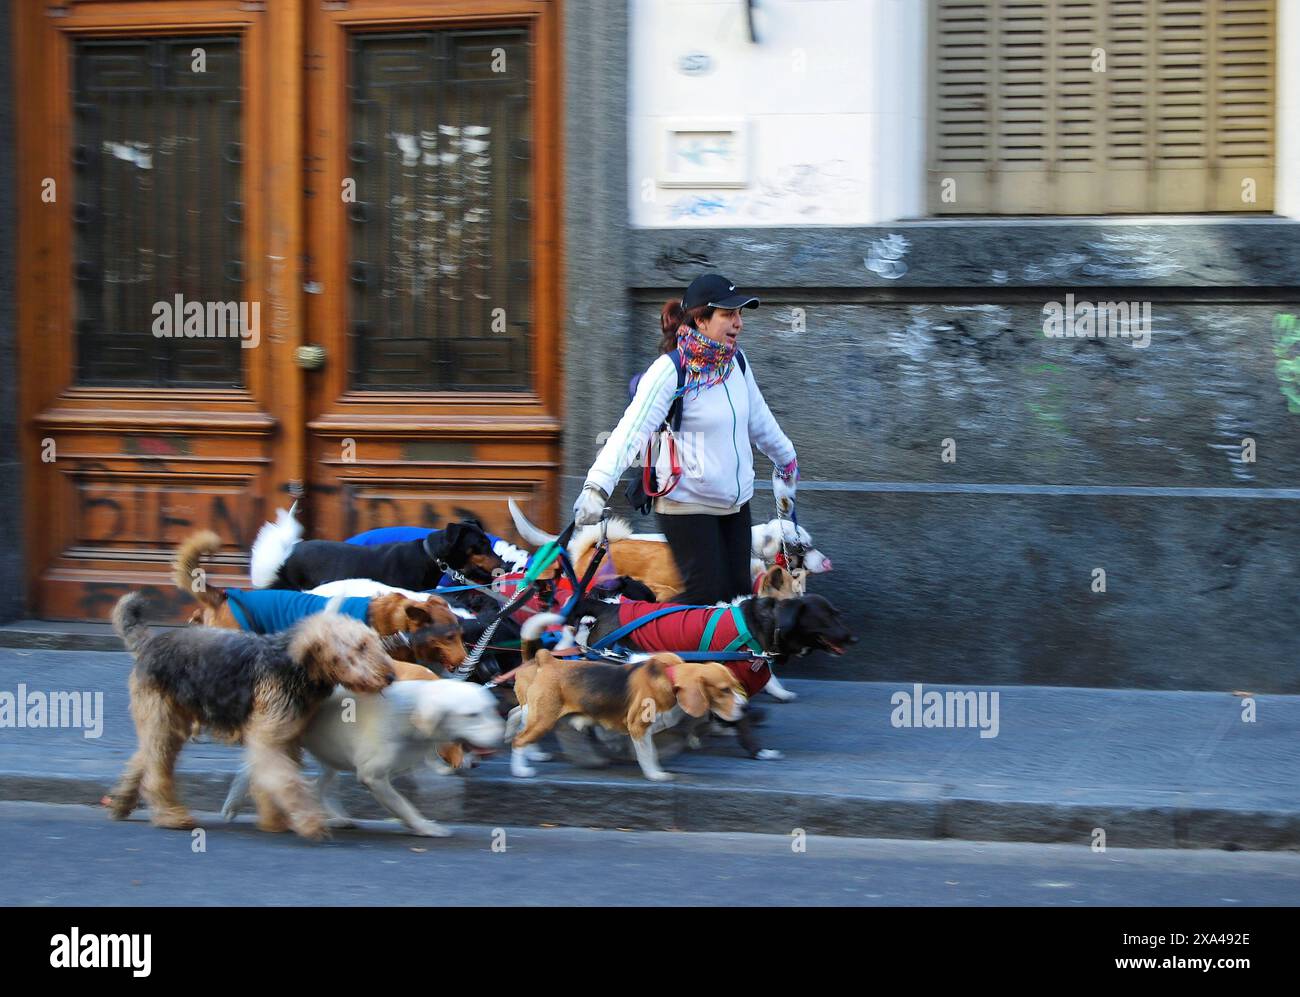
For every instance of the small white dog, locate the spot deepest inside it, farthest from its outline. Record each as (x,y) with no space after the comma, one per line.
(383,735)
(765,544)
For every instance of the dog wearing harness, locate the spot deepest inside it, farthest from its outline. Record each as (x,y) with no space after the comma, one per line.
(747,636)
(418,633)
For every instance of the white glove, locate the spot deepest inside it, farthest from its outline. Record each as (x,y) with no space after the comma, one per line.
(590,505)
(784,481)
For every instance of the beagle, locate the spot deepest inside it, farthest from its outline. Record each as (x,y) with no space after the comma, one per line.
(637,699)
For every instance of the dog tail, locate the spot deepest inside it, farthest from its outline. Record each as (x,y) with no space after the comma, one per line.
(530,633)
(128,621)
(272,546)
(527,530)
(188,555)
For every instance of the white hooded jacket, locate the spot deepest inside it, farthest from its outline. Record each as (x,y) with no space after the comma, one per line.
(720,427)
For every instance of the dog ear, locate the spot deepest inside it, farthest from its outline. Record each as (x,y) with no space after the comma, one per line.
(689,688)
(787,614)
(778,583)
(427,716)
(451,534)
(418,614)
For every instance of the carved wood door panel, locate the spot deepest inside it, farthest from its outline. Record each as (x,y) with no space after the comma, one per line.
(215,195)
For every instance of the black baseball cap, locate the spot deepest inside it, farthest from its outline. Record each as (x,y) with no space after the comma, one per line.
(716,291)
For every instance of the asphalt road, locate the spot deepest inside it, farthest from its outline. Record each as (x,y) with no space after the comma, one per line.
(65,855)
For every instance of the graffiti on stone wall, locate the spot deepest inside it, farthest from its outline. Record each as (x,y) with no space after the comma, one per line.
(885,257)
(1117,256)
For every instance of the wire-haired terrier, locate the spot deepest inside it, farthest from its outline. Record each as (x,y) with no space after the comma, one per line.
(260,690)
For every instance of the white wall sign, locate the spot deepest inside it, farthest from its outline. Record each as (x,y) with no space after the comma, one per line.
(704,154)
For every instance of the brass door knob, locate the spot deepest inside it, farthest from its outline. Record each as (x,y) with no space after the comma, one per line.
(310,356)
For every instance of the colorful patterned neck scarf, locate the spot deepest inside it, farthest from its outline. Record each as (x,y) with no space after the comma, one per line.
(706,362)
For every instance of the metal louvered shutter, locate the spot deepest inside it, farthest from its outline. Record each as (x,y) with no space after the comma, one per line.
(1181,115)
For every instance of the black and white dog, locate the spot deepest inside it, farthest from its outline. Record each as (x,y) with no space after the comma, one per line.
(282,559)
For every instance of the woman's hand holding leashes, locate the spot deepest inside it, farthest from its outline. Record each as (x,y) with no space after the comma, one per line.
(590,505)
(784,482)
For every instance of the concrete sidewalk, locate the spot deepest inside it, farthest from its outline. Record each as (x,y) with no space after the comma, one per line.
(1150,769)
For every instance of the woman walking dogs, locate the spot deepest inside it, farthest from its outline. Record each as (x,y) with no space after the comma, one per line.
(706,480)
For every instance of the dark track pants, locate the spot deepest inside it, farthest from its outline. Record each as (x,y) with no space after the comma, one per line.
(712,555)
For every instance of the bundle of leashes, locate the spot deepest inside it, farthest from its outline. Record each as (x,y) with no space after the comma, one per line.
(607,647)
(546,556)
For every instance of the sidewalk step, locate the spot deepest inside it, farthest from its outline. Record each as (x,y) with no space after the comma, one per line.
(1127,768)
(496,798)
(59,635)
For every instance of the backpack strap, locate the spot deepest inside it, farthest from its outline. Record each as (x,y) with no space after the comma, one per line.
(674,416)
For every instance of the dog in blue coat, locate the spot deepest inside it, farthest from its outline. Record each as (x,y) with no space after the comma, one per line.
(418,633)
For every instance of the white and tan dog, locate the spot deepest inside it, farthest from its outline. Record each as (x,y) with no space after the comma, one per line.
(638,699)
(380,736)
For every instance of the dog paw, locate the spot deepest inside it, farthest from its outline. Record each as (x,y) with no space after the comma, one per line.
(119,810)
(523,771)
(431,829)
(784,696)
(539,756)
(769,755)
(175,821)
(693,742)
(314,829)
(659,776)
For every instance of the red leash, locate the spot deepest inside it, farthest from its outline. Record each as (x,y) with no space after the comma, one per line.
(648,469)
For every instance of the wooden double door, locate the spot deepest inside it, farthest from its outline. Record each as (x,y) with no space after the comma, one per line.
(278,251)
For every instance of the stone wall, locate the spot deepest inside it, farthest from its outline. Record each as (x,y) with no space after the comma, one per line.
(877,344)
